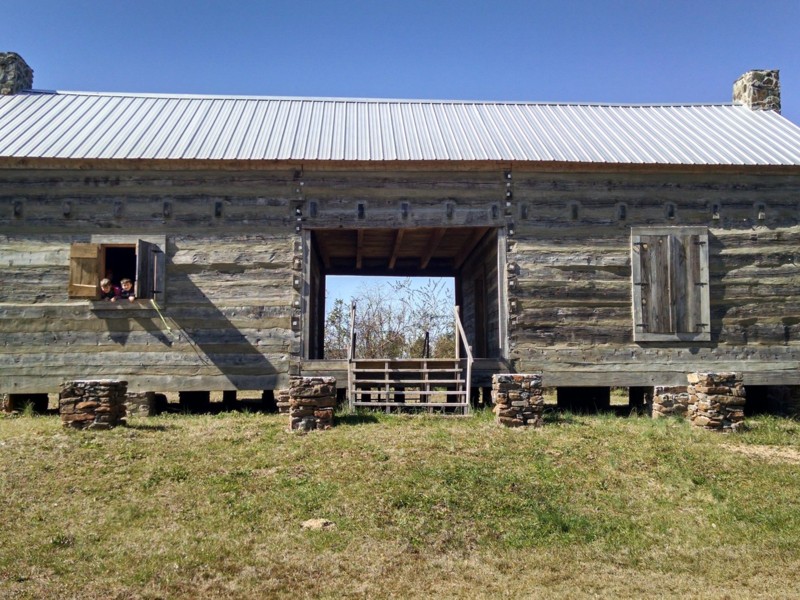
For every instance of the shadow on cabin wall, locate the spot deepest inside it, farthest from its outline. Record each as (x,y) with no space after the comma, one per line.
(756,321)
(197,335)
(735,330)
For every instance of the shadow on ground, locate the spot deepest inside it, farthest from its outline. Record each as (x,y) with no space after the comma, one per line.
(355,419)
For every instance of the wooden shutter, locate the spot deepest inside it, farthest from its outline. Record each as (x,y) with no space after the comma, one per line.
(670,284)
(687,283)
(150,265)
(84,271)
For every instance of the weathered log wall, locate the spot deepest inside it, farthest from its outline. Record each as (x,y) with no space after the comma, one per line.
(476,197)
(231,306)
(480,309)
(232,240)
(571,248)
(229,298)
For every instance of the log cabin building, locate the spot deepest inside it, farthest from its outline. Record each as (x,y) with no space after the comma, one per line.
(597,245)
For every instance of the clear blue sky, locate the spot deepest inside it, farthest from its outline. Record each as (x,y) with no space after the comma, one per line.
(348,287)
(566,51)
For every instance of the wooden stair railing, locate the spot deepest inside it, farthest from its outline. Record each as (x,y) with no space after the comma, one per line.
(409,384)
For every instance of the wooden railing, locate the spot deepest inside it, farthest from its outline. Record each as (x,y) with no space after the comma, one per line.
(463,338)
(391,378)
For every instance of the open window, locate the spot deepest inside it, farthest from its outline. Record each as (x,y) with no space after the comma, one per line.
(117,257)
(669,268)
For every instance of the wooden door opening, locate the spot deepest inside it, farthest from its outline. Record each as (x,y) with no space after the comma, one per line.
(470,256)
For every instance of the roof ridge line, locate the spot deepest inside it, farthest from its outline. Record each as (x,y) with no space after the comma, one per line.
(354,99)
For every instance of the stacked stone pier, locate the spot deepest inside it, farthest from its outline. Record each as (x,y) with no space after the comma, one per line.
(518,400)
(716,401)
(669,401)
(98,404)
(312,401)
(713,401)
(282,400)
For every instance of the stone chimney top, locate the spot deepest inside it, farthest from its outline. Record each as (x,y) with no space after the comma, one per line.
(15,74)
(758,90)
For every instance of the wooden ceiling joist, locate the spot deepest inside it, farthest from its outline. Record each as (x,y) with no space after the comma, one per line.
(414,250)
(465,251)
(398,243)
(433,244)
(359,249)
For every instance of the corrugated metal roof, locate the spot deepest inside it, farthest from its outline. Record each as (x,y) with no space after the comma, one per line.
(85,125)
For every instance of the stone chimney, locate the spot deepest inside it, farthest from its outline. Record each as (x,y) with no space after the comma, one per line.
(15,74)
(758,90)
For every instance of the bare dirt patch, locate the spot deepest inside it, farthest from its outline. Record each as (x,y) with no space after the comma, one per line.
(768,453)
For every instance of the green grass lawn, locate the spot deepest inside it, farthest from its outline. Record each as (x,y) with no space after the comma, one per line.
(183,506)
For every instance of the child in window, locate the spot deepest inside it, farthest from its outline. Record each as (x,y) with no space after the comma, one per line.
(107,290)
(126,291)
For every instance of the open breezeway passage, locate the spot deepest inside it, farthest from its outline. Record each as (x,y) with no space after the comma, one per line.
(471,256)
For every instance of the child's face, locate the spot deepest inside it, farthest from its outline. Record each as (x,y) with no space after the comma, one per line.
(105,288)
(127,285)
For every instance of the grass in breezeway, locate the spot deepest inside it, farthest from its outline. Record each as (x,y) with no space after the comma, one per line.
(183,506)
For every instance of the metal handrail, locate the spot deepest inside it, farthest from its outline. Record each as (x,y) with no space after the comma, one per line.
(463,336)
(351,354)
(351,351)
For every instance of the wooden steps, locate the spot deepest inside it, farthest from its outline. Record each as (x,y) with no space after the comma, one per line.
(407,385)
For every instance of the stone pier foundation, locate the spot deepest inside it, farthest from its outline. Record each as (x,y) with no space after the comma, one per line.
(518,400)
(312,401)
(716,401)
(282,400)
(140,404)
(670,401)
(711,400)
(96,404)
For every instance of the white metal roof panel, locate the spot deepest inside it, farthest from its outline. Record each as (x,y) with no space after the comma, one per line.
(85,125)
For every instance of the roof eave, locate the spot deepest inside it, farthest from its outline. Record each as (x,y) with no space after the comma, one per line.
(400,165)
